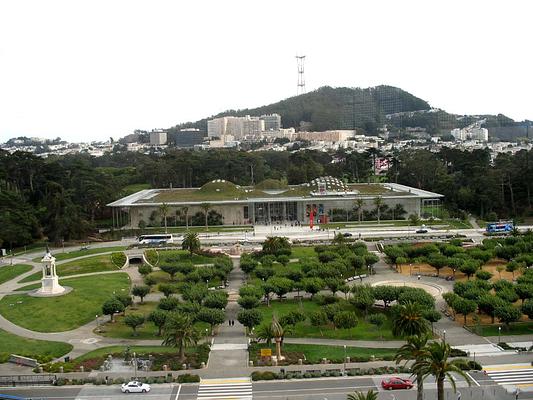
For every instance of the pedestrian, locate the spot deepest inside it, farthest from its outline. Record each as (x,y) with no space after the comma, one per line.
(418,277)
(232,322)
(517,393)
(458,395)
(229,322)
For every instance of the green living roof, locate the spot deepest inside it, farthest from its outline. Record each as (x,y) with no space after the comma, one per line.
(224,191)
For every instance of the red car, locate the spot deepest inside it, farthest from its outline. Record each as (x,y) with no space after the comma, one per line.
(396,383)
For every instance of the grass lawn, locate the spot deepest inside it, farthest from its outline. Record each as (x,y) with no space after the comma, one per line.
(313,354)
(9,272)
(520,328)
(84,266)
(303,252)
(183,256)
(10,343)
(362,331)
(81,253)
(63,313)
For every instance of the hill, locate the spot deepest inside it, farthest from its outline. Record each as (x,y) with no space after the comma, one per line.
(366,109)
(333,108)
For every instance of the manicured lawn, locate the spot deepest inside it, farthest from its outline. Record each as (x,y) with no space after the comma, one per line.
(313,354)
(80,253)
(521,328)
(62,313)
(302,252)
(104,351)
(182,256)
(10,343)
(84,266)
(9,272)
(362,331)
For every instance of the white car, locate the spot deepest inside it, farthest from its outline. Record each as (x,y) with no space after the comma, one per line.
(135,387)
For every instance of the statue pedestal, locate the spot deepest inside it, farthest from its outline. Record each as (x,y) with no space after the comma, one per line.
(50,286)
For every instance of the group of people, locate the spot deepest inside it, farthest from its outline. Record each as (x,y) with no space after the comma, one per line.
(231,322)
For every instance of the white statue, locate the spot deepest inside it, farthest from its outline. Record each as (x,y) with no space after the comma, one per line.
(49,282)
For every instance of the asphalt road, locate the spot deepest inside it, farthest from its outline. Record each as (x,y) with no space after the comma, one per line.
(319,389)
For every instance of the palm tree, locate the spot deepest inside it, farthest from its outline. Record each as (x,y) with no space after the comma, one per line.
(277,333)
(435,362)
(191,242)
(370,395)
(185,211)
(179,331)
(408,320)
(206,207)
(359,203)
(414,350)
(378,202)
(163,209)
(264,333)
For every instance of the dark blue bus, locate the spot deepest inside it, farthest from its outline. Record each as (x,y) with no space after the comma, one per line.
(500,227)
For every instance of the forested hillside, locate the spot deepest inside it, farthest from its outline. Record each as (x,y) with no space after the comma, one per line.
(64,198)
(334,108)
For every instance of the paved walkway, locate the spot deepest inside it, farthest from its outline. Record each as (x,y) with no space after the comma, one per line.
(229,352)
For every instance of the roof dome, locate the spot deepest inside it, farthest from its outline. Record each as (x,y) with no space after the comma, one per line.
(327,184)
(220,185)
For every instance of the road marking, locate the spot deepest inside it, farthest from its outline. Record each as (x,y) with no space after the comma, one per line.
(520,375)
(178,394)
(473,380)
(232,388)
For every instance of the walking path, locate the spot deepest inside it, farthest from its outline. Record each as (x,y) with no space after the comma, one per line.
(229,352)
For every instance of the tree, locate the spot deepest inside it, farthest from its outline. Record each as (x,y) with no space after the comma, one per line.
(417,296)
(378,202)
(206,207)
(125,299)
(212,316)
(195,292)
(414,349)
(359,204)
(334,284)
(527,308)
(191,242)
(469,267)
(277,245)
(250,290)
(264,333)
(434,362)
(179,331)
(167,289)
(163,210)
(248,302)
(185,211)
(134,321)
(111,307)
(483,275)
(318,318)
(312,285)
(507,314)
(281,285)
(500,269)
(464,306)
(216,299)
(437,261)
(524,291)
(168,303)
(370,260)
(370,395)
(414,219)
(513,266)
(378,320)
(248,264)
(145,269)
(140,291)
(149,280)
(249,318)
(158,318)
(488,304)
(386,293)
(407,319)
(171,269)
(345,320)
(362,297)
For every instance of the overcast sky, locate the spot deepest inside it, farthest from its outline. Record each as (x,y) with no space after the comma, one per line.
(88,70)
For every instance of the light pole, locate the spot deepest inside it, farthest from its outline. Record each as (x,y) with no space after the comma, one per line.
(410,269)
(499,334)
(135,364)
(344,363)
(97,324)
(444,335)
(206,335)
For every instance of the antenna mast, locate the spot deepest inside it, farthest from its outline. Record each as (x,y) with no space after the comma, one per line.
(300,89)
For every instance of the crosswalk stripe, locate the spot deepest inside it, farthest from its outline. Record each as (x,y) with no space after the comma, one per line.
(520,375)
(225,389)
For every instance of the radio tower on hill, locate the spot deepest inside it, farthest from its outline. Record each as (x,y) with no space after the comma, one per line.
(300,89)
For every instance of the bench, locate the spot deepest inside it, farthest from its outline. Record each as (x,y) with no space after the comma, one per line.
(21,360)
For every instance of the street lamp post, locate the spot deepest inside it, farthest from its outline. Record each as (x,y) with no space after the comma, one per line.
(499,334)
(344,362)
(410,269)
(135,364)
(444,335)
(97,324)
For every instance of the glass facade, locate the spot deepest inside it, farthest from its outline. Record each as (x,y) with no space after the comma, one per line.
(272,212)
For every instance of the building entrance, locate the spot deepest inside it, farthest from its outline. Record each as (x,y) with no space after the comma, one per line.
(275,212)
